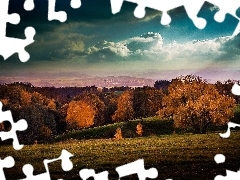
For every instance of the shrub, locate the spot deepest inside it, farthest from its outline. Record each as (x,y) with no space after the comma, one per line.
(139,129)
(118,134)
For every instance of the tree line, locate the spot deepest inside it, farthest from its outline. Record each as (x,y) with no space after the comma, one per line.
(188,100)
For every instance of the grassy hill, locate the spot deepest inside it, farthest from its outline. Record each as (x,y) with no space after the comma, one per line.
(175,156)
(152,126)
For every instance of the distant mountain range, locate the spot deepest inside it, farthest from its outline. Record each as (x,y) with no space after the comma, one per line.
(82,81)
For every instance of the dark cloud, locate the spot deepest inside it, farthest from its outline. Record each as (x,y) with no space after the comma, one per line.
(231,49)
(58,45)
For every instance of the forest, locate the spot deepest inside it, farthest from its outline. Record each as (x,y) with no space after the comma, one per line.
(188,101)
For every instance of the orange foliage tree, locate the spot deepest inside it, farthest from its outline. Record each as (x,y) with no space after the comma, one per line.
(118,134)
(124,110)
(192,102)
(80,114)
(86,110)
(139,129)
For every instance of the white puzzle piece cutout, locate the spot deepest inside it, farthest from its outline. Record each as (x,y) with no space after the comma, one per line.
(8,162)
(137,167)
(230,175)
(220,158)
(61,15)
(21,125)
(9,45)
(192,8)
(87,173)
(66,164)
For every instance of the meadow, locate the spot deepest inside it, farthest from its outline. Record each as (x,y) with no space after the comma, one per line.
(175,155)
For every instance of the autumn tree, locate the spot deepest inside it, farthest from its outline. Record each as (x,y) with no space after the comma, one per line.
(118,134)
(80,115)
(52,104)
(139,129)
(85,110)
(146,101)
(225,88)
(32,106)
(192,102)
(25,97)
(124,110)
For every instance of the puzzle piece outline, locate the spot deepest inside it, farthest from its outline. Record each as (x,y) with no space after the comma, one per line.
(192,9)
(220,158)
(6,43)
(60,15)
(231,175)
(66,164)
(20,125)
(137,167)
(87,173)
(7,162)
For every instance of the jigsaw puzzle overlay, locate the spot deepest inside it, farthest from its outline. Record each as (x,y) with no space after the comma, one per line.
(6,50)
(220,158)
(21,125)
(192,8)
(6,43)
(8,162)
(66,164)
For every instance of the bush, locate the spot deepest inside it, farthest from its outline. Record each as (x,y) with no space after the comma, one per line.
(118,135)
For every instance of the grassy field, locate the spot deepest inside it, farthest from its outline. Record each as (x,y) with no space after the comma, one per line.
(182,156)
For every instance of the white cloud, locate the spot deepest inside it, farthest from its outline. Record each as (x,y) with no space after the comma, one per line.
(196,50)
(117,48)
(108,51)
(151,47)
(147,37)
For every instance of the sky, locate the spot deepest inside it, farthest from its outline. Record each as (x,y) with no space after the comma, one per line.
(93,43)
